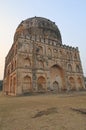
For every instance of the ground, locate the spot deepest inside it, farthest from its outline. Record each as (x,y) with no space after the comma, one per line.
(43,112)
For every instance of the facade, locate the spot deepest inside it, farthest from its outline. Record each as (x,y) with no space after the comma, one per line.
(39,62)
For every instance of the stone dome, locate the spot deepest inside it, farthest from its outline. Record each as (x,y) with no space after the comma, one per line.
(40,27)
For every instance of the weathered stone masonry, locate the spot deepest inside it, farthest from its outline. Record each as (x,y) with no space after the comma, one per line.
(39,62)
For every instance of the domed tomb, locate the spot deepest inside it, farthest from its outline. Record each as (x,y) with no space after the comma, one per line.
(38,62)
(38,27)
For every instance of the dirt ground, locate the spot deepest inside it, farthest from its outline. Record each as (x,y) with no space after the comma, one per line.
(43,112)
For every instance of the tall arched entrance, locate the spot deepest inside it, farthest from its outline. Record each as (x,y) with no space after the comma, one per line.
(57,78)
(41,83)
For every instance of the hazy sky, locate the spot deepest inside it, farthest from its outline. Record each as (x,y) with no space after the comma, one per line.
(69,16)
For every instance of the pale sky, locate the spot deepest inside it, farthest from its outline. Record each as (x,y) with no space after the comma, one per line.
(69,16)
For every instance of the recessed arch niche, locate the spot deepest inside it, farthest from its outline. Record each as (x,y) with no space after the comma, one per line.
(41,83)
(26,84)
(72,83)
(57,76)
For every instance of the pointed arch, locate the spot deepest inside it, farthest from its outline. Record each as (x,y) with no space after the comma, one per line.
(27,79)
(41,83)
(55,86)
(40,50)
(57,74)
(27,62)
(26,84)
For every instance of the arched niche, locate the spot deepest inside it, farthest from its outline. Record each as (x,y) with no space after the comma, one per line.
(41,83)
(12,84)
(55,87)
(72,83)
(40,50)
(80,85)
(27,61)
(57,74)
(27,84)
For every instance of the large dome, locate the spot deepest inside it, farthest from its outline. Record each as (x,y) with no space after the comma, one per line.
(40,27)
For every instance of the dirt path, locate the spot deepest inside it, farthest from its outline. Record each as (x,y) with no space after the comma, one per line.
(43,112)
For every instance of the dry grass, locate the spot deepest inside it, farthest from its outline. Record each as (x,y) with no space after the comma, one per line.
(43,112)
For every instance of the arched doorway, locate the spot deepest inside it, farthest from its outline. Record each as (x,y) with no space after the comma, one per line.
(57,76)
(41,84)
(26,84)
(55,86)
(72,83)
